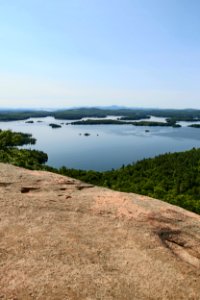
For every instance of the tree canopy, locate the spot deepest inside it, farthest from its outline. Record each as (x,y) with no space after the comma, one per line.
(9,152)
(172,177)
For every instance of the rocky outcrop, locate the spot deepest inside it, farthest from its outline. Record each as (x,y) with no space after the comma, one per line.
(64,239)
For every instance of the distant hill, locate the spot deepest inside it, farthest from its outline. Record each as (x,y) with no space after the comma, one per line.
(173,115)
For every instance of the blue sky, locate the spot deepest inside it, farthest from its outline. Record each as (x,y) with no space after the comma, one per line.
(61,53)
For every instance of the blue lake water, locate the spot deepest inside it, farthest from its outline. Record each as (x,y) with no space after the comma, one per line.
(107,146)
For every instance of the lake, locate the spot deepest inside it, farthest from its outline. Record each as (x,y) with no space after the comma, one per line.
(107,146)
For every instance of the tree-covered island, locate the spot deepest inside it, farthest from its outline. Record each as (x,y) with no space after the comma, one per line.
(194,125)
(119,122)
(53,125)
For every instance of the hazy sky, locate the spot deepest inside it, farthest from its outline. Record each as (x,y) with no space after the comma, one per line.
(62,53)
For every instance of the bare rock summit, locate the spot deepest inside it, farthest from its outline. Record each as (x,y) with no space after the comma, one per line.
(64,239)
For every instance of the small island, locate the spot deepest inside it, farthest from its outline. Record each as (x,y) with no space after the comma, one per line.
(194,125)
(99,122)
(53,125)
(176,126)
(29,122)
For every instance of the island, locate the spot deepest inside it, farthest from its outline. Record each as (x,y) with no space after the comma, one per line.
(118,122)
(53,125)
(194,125)
(29,122)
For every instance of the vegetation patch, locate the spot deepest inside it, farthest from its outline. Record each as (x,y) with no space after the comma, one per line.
(194,126)
(52,125)
(10,153)
(172,177)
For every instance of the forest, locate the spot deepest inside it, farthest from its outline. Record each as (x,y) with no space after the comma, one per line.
(172,177)
(125,113)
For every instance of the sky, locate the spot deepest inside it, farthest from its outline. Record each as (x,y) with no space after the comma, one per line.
(68,53)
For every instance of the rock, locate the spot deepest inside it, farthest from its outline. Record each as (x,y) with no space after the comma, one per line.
(64,239)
